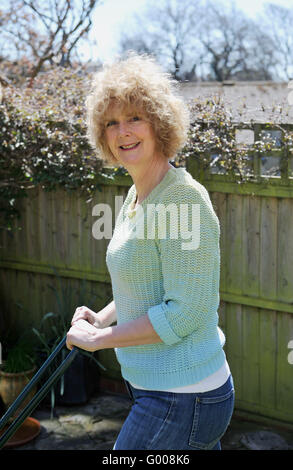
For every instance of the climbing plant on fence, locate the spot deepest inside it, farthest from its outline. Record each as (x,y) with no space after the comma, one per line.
(218,144)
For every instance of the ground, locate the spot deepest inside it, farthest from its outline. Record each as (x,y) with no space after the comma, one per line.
(95,425)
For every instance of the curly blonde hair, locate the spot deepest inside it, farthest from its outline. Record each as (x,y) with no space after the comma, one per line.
(138,82)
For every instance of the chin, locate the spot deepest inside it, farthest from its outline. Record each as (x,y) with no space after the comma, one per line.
(132,159)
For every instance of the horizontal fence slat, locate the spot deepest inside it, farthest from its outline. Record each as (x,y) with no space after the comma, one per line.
(96,275)
(257,302)
(253,189)
(101,276)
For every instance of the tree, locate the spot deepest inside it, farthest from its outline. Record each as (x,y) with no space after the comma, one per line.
(203,40)
(46,31)
(279,21)
(233,44)
(167,30)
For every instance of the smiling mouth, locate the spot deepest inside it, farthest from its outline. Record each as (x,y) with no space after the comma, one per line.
(130,146)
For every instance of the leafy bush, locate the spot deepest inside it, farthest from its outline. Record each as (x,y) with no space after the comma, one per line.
(43,139)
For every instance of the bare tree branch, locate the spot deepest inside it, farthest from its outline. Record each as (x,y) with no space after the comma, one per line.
(166,30)
(279,21)
(48,30)
(190,36)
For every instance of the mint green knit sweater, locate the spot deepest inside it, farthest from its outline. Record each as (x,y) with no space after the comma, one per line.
(157,270)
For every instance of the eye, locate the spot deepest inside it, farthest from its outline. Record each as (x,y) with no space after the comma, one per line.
(135,118)
(111,123)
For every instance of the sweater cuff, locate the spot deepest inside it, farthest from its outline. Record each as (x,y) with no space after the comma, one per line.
(161,325)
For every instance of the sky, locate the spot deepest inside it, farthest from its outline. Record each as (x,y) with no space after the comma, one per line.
(113,16)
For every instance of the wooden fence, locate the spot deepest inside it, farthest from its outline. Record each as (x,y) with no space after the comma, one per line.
(51,250)
(256,273)
(256,287)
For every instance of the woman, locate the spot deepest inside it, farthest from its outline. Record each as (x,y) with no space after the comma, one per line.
(164,264)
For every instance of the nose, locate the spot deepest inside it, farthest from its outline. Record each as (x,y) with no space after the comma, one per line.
(124,128)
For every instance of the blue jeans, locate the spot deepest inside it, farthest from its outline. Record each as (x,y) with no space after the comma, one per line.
(177,421)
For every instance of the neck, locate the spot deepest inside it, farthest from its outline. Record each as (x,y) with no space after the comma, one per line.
(147,178)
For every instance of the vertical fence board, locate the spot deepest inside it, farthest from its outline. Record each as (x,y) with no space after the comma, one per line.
(4,299)
(73,234)
(85,231)
(220,206)
(285,250)
(60,228)
(19,298)
(222,317)
(251,245)
(268,249)
(17,238)
(64,228)
(45,227)
(233,243)
(32,228)
(251,353)
(55,228)
(268,357)
(234,345)
(7,240)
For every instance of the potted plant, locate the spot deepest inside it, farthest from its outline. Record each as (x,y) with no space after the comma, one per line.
(18,368)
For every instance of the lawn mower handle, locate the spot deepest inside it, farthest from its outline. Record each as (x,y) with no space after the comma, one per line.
(30,407)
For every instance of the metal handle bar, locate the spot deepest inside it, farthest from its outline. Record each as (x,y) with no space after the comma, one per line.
(29,408)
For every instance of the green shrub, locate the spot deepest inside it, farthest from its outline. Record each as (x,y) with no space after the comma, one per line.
(20,358)
(43,140)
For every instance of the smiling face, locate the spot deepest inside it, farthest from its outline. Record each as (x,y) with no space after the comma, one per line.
(129,135)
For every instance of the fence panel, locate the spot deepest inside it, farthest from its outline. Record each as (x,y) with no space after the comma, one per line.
(256,280)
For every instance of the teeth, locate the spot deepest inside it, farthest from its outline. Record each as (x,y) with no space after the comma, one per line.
(128,146)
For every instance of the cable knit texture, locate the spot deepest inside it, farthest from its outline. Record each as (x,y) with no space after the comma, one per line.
(156,269)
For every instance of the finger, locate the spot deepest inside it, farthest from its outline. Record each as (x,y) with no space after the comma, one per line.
(75,316)
(84,325)
(81,313)
(76,319)
(69,339)
(68,345)
(78,314)
(79,310)
(79,318)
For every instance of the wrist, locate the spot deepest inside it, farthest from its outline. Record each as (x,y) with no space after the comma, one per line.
(103,338)
(101,321)
(104,319)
